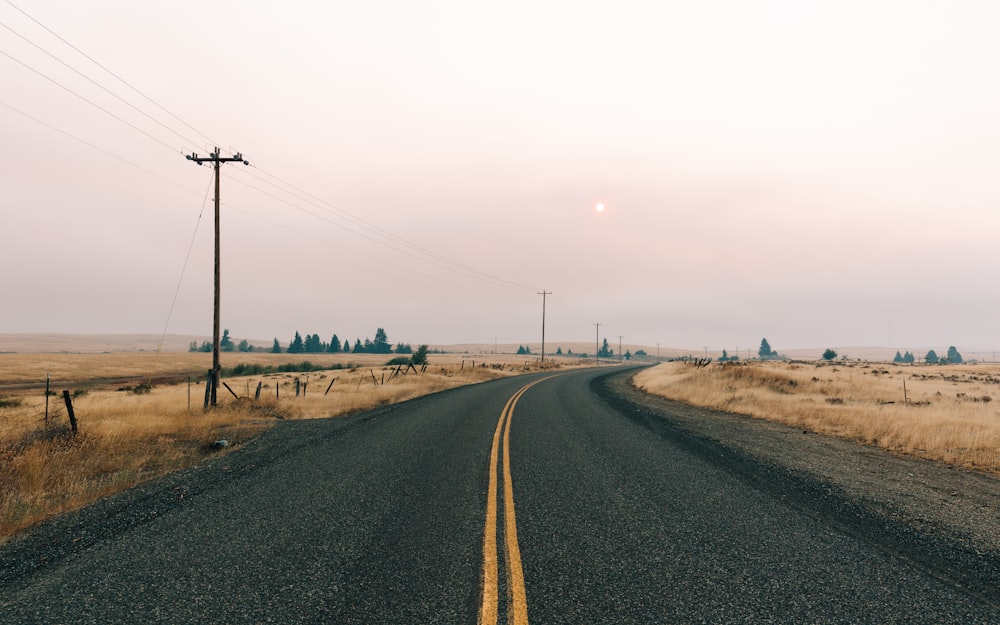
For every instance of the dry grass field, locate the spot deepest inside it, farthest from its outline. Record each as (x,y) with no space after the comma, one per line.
(947,413)
(127,437)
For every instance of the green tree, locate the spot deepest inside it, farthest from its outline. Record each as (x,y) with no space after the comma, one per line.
(357,346)
(193,346)
(419,357)
(297,346)
(932,358)
(276,348)
(898,358)
(313,344)
(908,357)
(953,355)
(205,346)
(403,348)
(226,343)
(334,345)
(381,343)
(829,354)
(640,353)
(605,351)
(244,346)
(559,351)
(347,347)
(765,350)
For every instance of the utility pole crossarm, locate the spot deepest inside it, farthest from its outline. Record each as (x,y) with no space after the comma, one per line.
(215,158)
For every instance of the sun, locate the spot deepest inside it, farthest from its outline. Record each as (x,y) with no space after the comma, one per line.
(600,207)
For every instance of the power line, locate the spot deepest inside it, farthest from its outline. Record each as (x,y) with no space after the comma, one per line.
(428,257)
(119,78)
(97,84)
(272,222)
(180,280)
(96,147)
(88,101)
(381,232)
(378,235)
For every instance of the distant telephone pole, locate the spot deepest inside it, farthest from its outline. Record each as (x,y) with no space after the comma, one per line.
(543,293)
(217,160)
(597,344)
(621,356)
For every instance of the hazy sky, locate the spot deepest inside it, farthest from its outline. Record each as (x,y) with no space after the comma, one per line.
(817,173)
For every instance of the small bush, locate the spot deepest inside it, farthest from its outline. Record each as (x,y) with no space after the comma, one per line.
(10,402)
(140,389)
(295,367)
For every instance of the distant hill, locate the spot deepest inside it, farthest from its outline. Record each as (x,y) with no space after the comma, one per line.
(94,343)
(117,343)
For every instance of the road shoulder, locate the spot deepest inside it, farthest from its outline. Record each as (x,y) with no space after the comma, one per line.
(945,520)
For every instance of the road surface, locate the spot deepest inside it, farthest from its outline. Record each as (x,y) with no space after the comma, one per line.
(528,499)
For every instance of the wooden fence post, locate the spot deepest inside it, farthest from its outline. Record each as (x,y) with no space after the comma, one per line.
(329,387)
(69,410)
(257,394)
(48,377)
(208,389)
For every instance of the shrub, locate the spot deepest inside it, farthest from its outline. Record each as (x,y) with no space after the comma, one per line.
(10,402)
(420,356)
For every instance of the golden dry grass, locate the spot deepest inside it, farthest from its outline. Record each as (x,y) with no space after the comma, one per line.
(947,414)
(127,438)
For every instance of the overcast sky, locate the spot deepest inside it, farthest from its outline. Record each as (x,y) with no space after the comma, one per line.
(817,173)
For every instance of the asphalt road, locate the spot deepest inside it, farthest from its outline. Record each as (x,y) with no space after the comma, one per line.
(383,517)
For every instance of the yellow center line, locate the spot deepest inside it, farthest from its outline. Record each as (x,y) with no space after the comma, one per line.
(517,604)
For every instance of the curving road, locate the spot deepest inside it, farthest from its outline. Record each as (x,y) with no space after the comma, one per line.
(385,517)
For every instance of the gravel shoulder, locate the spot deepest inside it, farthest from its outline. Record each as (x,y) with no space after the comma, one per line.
(943,519)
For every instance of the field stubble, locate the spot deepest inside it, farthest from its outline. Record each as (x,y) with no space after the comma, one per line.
(128,437)
(947,413)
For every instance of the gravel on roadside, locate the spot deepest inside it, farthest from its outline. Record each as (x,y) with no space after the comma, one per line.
(943,519)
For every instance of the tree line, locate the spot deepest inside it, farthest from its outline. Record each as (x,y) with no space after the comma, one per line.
(311,344)
(953,357)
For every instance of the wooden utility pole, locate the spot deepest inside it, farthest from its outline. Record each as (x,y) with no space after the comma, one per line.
(621,355)
(543,293)
(217,160)
(597,345)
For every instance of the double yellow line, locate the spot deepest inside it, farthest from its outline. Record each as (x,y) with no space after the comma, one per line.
(517,604)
